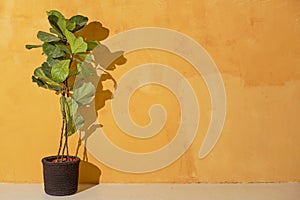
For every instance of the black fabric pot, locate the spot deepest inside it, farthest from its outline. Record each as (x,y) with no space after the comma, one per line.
(60,178)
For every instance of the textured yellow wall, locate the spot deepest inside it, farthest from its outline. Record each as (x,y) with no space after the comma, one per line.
(255,44)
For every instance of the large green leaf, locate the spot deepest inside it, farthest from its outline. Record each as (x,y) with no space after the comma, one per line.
(53,22)
(92,44)
(60,71)
(55,13)
(38,72)
(72,106)
(47,37)
(77,44)
(52,50)
(62,24)
(74,122)
(79,122)
(47,69)
(41,74)
(71,25)
(67,111)
(80,22)
(46,85)
(43,78)
(84,93)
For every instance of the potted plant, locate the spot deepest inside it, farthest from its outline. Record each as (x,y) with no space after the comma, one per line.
(65,54)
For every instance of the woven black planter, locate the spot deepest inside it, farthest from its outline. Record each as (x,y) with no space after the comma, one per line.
(60,178)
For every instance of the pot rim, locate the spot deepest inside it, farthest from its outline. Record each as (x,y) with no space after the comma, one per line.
(48,160)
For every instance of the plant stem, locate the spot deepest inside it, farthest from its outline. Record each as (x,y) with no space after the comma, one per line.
(64,129)
(63,151)
(65,132)
(64,125)
(60,141)
(66,145)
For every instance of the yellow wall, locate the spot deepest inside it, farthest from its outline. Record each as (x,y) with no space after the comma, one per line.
(255,44)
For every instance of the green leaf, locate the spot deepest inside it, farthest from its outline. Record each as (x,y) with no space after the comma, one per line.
(58,33)
(85,71)
(62,104)
(74,122)
(71,25)
(63,48)
(55,13)
(79,122)
(31,46)
(47,70)
(60,71)
(62,24)
(66,109)
(88,58)
(72,106)
(52,50)
(47,37)
(84,94)
(80,22)
(52,61)
(77,44)
(41,74)
(39,82)
(43,78)
(38,72)
(53,22)
(45,85)
(92,44)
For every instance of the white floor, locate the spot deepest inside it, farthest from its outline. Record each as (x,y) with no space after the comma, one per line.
(277,191)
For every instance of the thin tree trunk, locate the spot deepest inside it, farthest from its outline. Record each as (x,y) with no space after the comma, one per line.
(64,125)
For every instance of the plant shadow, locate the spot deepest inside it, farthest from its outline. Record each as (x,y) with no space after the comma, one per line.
(89,176)
(104,61)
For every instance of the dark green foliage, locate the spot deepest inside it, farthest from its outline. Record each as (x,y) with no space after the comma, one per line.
(64,49)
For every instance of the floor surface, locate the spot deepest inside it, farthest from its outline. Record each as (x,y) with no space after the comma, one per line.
(277,191)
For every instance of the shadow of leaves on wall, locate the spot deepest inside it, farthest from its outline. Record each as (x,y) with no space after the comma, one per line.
(104,61)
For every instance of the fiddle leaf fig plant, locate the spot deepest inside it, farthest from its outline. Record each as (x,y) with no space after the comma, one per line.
(65,53)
